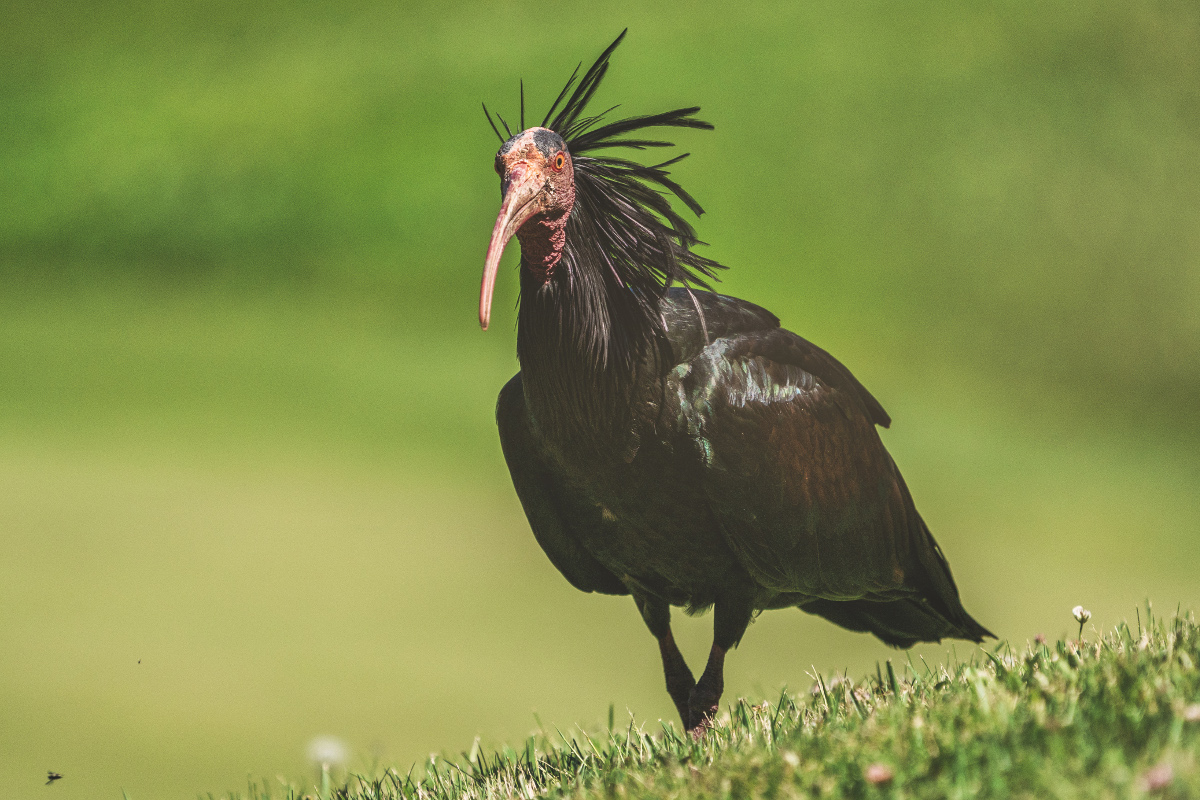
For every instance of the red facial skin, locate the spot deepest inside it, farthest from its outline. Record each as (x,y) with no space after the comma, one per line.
(539,193)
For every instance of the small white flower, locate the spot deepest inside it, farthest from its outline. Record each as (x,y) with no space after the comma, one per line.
(328,751)
(1081,614)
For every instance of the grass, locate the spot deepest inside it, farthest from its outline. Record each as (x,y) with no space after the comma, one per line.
(1115,717)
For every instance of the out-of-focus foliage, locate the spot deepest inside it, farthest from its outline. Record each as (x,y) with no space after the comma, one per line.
(1013,183)
(246,425)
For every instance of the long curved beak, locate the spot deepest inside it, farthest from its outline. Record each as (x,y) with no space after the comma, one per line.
(519,205)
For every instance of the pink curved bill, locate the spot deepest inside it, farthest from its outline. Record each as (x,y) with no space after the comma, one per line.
(517,207)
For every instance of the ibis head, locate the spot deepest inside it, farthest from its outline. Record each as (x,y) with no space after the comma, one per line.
(538,187)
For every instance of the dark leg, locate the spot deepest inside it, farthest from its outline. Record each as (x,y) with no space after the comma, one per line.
(706,697)
(680,682)
(731,616)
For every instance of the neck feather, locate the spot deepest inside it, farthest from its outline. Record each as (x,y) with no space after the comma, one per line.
(583,342)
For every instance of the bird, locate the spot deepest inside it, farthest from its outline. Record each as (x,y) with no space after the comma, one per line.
(677,445)
(52,776)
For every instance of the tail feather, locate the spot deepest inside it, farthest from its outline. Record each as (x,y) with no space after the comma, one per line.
(900,623)
(938,592)
(942,593)
(935,614)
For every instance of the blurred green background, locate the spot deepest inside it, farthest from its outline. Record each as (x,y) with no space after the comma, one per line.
(250,486)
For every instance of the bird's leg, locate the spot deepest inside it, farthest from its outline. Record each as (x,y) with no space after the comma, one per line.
(731,616)
(680,682)
(706,697)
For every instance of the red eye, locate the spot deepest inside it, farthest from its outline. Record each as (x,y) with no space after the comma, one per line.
(559,161)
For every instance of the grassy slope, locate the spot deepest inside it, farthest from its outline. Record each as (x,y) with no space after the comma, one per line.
(1115,717)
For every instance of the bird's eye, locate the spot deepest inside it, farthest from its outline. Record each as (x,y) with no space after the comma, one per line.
(559,161)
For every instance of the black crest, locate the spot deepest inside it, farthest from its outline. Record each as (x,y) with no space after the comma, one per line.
(623,222)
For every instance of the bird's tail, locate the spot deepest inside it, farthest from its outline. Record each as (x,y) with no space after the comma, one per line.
(900,623)
(942,593)
(934,614)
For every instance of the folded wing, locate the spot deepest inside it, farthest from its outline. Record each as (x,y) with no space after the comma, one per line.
(808,498)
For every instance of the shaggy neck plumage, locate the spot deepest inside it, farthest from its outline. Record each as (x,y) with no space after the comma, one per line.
(582,340)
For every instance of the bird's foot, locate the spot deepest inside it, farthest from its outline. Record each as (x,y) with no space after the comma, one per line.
(701,729)
(705,699)
(702,710)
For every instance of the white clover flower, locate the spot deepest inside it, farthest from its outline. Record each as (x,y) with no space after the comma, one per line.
(1081,615)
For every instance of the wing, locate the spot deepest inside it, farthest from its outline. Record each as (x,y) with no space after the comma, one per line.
(551,510)
(808,498)
(695,320)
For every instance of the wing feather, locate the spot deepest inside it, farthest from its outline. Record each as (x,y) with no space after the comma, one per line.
(551,511)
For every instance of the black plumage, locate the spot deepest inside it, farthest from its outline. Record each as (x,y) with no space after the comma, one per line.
(675,444)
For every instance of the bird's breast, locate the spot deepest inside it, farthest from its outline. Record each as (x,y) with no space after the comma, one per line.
(651,525)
